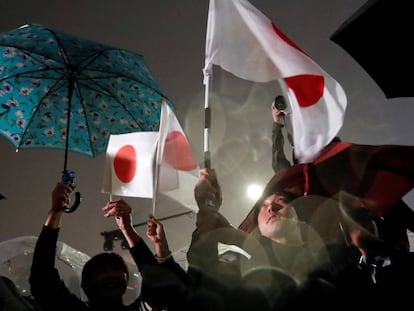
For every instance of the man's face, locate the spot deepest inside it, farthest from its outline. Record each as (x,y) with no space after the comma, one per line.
(109,282)
(275,216)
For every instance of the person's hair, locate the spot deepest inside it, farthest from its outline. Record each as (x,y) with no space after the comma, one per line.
(289,197)
(96,263)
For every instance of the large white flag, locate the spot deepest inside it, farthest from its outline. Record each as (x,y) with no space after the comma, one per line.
(242,40)
(129,164)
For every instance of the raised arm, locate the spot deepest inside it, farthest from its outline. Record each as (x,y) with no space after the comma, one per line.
(47,287)
(279,159)
(156,233)
(121,211)
(140,252)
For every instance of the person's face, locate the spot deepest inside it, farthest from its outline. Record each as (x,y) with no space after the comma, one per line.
(109,282)
(274,216)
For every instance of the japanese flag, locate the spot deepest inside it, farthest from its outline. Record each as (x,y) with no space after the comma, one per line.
(242,40)
(174,152)
(129,164)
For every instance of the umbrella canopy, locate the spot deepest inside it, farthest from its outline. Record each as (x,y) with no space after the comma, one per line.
(378,36)
(16,260)
(60,91)
(375,177)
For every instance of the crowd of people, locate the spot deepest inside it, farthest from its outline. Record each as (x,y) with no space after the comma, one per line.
(276,260)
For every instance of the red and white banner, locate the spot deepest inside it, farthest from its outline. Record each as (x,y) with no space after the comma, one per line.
(242,40)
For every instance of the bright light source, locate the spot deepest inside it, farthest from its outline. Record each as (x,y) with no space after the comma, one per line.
(254,191)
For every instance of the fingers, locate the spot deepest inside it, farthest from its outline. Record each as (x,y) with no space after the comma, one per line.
(207,188)
(151,220)
(154,222)
(61,196)
(207,173)
(62,189)
(152,225)
(207,180)
(118,208)
(276,114)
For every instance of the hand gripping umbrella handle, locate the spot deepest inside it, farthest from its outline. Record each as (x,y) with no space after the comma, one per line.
(68,178)
(75,205)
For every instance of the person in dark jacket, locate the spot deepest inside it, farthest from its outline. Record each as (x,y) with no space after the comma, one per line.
(279,112)
(104,276)
(276,257)
(381,273)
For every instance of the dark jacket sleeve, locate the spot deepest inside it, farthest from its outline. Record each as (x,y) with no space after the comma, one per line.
(162,283)
(279,160)
(144,257)
(47,287)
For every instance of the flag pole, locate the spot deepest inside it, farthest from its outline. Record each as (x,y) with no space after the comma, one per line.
(207,116)
(158,155)
(155,189)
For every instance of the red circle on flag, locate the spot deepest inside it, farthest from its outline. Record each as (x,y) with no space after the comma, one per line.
(177,152)
(125,163)
(308,89)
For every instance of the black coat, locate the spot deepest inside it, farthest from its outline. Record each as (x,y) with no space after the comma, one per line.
(49,290)
(393,283)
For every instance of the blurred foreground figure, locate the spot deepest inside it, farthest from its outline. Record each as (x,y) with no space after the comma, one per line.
(389,165)
(104,276)
(276,257)
(380,175)
(381,274)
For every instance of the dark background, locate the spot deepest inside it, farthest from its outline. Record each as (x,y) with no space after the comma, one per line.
(171,36)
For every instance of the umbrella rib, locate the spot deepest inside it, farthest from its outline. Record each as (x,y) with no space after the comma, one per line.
(61,47)
(85,78)
(66,66)
(62,72)
(28,74)
(33,54)
(79,93)
(114,74)
(104,92)
(101,89)
(53,88)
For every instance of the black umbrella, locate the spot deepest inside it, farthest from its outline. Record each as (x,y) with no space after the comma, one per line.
(378,36)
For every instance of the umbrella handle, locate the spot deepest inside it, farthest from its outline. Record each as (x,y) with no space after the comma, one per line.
(68,178)
(75,205)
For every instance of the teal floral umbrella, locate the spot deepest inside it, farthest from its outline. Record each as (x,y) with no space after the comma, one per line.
(60,91)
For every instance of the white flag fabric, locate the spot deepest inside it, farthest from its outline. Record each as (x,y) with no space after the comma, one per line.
(242,40)
(174,152)
(129,164)
(141,164)
(183,193)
